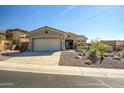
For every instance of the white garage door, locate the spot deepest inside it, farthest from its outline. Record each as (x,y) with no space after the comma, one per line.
(46,44)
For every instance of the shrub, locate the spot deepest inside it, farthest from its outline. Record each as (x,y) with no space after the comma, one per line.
(22,49)
(97,49)
(82,53)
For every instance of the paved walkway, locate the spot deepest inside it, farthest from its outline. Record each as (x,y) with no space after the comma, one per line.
(62,70)
(41,58)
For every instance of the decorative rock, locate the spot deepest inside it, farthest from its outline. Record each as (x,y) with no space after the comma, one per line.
(116,57)
(79,57)
(88,62)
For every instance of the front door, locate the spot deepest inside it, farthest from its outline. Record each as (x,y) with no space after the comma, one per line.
(69,44)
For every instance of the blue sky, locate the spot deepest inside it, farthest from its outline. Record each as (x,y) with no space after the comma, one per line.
(105,22)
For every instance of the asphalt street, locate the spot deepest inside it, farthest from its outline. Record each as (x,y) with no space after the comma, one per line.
(12,79)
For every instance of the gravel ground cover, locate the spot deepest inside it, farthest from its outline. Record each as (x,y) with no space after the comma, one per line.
(69,59)
(8,55)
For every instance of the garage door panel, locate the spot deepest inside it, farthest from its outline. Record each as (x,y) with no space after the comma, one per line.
(46,44)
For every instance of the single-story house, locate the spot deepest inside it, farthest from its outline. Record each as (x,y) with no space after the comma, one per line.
(51,39)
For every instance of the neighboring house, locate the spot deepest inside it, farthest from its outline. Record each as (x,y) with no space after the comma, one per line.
(19,36)
(51,39)
(116,44)
(120,44)
(3,39)
(109,42)
(16,36)
(2,35)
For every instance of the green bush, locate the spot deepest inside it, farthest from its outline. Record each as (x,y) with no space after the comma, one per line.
(82,53)
(97,49)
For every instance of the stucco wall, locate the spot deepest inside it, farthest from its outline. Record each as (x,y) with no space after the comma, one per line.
(2,37)
(40,33)
(71,36)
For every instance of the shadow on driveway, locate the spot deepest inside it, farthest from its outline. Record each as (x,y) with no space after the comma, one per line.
(8,55)
(28,53)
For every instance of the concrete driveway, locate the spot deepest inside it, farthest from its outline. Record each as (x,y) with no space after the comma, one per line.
(43,58)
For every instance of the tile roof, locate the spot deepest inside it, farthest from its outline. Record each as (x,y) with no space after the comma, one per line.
(17,29)
(3,32)
(61,31)
(83,36)
(49,28)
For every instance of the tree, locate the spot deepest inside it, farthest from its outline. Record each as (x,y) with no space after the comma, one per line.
(96,49)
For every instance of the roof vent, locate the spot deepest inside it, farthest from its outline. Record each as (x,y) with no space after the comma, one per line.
(46,32)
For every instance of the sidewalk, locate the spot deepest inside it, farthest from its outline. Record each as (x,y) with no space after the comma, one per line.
(63,70)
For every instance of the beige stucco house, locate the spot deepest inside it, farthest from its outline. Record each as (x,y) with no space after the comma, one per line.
(2,35)
(18,37)
(51,39)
